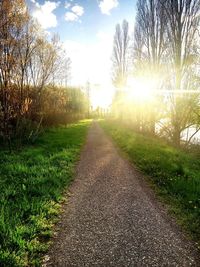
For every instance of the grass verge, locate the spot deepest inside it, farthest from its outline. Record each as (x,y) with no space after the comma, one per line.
(174,173)
(32,182)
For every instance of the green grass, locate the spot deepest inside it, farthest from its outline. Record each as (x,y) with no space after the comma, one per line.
(174,173)
(32,183)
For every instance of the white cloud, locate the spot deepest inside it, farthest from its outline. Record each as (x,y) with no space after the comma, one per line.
(104,37)
(78,10)
(70,16)
(67,5)
(44,13)
(91,61)
(107,5)
(35,3)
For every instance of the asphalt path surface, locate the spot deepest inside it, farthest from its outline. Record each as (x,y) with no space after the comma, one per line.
(112,217)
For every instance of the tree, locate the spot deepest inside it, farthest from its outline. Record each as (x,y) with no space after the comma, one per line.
(120,64)
(149,46)
(120,58)
(61,73)
(13,18)
(28,63)
(150,31)
(182,36)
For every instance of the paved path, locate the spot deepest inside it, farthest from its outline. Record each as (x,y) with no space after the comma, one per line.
(113,219)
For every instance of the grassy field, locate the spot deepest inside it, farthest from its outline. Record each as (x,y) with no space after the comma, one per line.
(175,174)
(32,182)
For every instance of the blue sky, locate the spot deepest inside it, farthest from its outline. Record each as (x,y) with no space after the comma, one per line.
(86,28)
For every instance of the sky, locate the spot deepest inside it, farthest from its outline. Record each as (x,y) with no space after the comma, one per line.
(86,29)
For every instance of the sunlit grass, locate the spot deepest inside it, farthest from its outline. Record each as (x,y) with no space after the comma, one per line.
(32,182)
(175,173)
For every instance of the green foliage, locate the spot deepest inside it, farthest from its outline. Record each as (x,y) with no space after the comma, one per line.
(32,182)
(175,173)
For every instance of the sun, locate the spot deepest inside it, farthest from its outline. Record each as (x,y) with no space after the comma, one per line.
(141,88)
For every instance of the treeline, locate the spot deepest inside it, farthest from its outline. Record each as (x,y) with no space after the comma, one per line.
(164,55)
(34,74)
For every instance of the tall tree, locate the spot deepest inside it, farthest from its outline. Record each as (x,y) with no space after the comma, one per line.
(120,65)
(13,18)
(182,36)
(120,58)
(149,32)
(149,44)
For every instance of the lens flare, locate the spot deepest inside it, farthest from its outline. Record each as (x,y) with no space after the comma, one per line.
(141,89)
